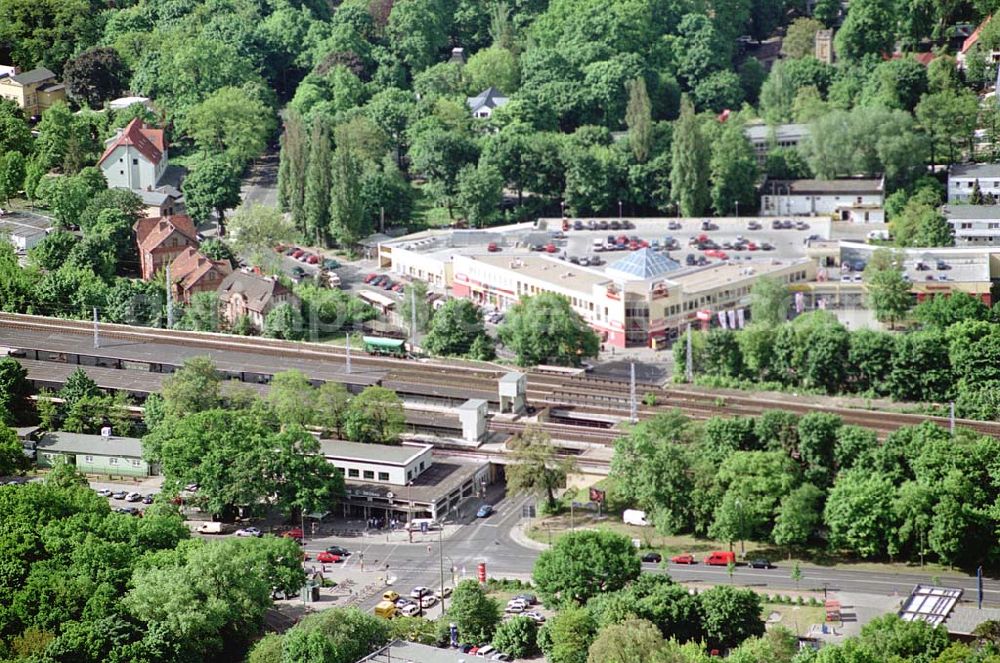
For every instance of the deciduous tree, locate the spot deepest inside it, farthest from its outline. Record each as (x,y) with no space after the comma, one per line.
(544,328)
(689,163)
(584,564)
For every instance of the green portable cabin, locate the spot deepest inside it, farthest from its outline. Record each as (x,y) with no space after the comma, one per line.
(94,454)
(377,345)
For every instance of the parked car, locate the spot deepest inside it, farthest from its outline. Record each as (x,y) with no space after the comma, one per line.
(119,494)
(330,263)
(941,264)
(418,592)
(191,488)
(652,557)
(603,225)
(297,253)
(249,531)
(616,225)
(133,497)
(767,246)
(294,533)
(753,225)
(390,596)
(492,247)
(211,528)
(428,601)
(104,492)
(720,558)
(327,558)
(550,248)
(291,249)
(485,511)
(689,259)
(578,225)
(411,610)
(801,225)
(338,550)
(515,607)
(776,224)
(529,599)
(673,225)
(370,278)
(683,559)
(403,601)
(760,563)
(313,260)
(534,615)
(444,592)
(298,272)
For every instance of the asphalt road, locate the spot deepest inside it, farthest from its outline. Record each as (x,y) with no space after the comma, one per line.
(488,540)
(261,185)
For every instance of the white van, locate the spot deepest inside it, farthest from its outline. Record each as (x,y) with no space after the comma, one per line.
(485,651)
(211,528)
(417,524)
(635,517)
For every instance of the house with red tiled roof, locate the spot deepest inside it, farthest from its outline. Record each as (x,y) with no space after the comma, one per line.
(971,41)
(192,272)
(135,157)
(161,240)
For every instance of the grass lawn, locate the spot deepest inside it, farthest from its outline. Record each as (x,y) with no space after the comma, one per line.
(796,618)
(551,528)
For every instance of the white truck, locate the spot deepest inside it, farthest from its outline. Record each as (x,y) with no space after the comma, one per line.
(635,517)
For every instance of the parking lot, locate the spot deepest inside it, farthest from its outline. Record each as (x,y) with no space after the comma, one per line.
(752,233)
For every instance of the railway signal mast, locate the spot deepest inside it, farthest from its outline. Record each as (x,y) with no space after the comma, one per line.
(634,413)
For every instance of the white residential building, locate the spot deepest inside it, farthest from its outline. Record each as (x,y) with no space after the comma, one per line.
(856,200)
(974,225)
(962,180)
(483,104)
(135,157)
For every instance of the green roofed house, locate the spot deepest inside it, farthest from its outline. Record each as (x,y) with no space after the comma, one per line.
(94,454)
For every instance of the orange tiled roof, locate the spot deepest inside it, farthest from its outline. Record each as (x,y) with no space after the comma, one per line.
(151,232)
(190,265)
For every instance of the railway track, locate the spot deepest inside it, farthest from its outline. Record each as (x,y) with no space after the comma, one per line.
(460,379)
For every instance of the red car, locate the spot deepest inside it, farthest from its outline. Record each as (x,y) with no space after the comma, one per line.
(370,278)
(294,533)
(715,253)
(752,247)
(683,559)
(550,248)
(296,253)
(313,260)
(327,558)
(633,246)
(398,287)
(492,247)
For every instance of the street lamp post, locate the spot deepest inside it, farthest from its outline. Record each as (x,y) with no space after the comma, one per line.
(619,210)
(739,507)
(737,208)
(409,509)
(562,206)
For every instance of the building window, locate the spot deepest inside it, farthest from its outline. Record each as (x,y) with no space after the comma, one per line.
(135,162)
(353,473)
(136,463)
(421,466)
(112,461)
(121,172)
(88,459)
(369,474)
(383,476)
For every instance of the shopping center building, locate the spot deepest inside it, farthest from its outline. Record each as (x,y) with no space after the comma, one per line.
(632,298)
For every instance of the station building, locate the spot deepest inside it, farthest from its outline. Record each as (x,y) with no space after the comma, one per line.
(405,481)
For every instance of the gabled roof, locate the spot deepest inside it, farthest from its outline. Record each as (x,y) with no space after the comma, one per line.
(971,40)
(984,170)
(257,290)
(151,232)
(97,445)
(847,185)
(36,75)
(488,98)
(643,264)
(147,140)
(154,197)
(191,265)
